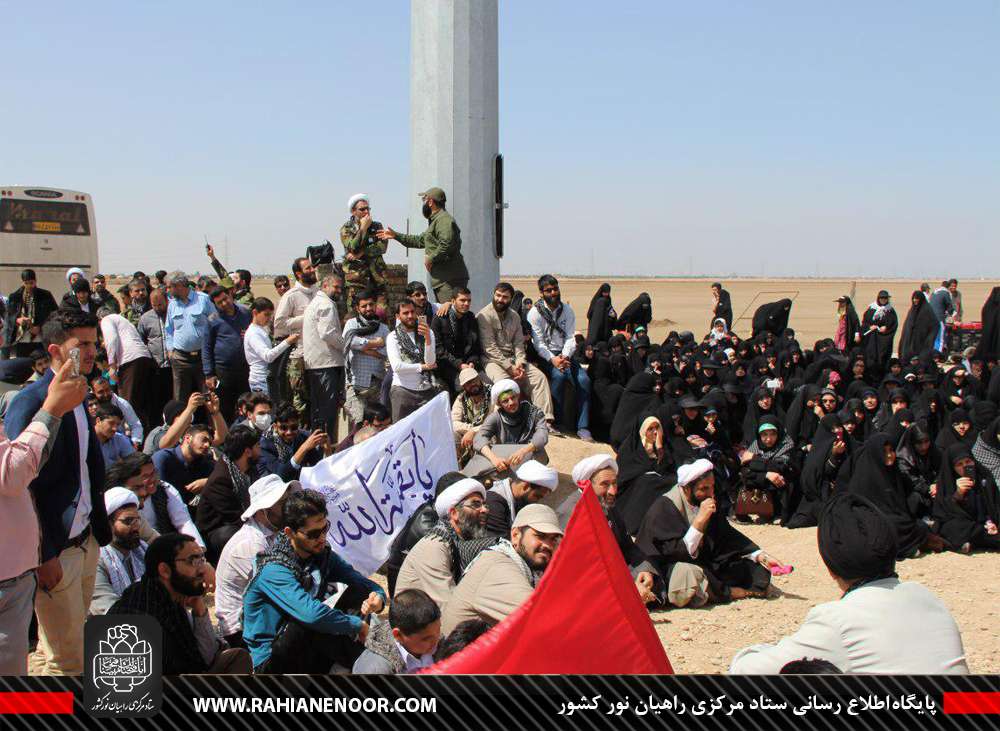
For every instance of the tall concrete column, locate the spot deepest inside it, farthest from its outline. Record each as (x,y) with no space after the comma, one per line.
(454,127)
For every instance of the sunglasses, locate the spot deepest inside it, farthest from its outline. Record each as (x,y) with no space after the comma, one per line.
(317,533)
(363,208)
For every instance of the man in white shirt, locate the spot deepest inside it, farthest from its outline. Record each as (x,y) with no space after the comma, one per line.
(365,356)
(323,353)
(412,357)
(129,362)
(257,345)
(288,319)
(553,333)
(880,625)
(262,522)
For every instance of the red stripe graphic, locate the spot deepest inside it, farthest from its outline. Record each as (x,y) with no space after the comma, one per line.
(47,703)
(958,703)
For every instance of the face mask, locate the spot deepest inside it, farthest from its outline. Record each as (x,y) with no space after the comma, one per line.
(426,210)
(262,422)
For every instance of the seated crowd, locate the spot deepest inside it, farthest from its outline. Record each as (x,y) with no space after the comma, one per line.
(178,473)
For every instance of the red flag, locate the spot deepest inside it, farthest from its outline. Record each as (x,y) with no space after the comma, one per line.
(584,617)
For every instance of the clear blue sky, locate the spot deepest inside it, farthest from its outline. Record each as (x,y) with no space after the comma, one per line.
(850,138)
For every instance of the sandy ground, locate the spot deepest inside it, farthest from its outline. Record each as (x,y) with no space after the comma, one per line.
(705,640)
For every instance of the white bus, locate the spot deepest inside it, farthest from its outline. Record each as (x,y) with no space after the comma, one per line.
(48,230)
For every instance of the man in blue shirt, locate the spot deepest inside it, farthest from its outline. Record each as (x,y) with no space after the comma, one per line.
(184,335)
(188,465)
(222,357)
(114,444)
(287,625)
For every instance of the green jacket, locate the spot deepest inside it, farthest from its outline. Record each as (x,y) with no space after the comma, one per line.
(442,242)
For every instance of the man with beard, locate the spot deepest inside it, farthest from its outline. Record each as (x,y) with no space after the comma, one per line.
(701,556)
(262,521)
(121,562)
(289,624)
(442,245)
(600,472)
(529,483)
(469,411)
(552,326)
(288,319)
(237,281)
(365,356)
(503,347)
(184,334)
(103,296)
(285,449)
(436,562)
(323,354)
(172,591)
(138,301)
(364,265)
(227,492)
(505,574)
(188,465)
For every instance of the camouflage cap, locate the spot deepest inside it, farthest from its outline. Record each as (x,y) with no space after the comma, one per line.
(435,194)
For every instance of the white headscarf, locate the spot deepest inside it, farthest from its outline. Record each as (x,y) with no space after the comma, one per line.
(353,200)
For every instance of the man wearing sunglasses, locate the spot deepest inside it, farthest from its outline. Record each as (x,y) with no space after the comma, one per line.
(172,591)
(436,562)
(292,620)
(364,267)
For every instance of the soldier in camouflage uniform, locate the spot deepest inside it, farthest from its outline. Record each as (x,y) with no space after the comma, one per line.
(442,245)
(138,301)
(364,268)
(240,287)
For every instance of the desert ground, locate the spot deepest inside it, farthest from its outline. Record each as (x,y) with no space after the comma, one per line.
(705,640)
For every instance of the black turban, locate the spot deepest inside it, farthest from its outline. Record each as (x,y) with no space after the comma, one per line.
(856,540)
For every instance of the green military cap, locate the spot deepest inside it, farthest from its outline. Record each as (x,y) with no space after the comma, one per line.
(435,194)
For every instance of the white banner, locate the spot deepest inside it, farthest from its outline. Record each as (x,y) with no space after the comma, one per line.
(372,489)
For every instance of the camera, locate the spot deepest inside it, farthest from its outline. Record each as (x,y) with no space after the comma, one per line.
(320,254)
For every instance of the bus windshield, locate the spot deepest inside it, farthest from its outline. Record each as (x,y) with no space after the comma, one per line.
(44,217)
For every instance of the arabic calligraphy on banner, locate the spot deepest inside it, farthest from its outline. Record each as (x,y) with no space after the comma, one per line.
(372,489)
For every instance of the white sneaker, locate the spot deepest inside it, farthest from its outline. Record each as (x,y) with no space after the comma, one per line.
(584,435)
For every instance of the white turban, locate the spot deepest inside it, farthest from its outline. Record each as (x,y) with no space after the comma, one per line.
(589,466)
(502,386)
(688,473)
(536,473)
(74,270)
(456,493)
(354,199)
(116,498)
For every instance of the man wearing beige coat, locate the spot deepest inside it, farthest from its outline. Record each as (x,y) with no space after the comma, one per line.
(504,575)
(503,349)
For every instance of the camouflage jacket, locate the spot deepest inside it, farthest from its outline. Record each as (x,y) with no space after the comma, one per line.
(367,262)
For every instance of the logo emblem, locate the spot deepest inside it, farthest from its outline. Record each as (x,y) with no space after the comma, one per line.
(123,665)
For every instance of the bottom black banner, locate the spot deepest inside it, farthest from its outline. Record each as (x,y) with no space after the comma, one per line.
(517,702)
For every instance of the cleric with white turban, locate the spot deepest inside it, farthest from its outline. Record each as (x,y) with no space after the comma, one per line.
(690,473)
(116,498)
(353,200)
(456,493)
(504,385)
(590,466)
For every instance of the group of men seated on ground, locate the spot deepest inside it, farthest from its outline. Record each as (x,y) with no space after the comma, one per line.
(703,431)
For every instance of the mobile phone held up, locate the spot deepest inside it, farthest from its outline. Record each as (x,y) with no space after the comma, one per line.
(74,355)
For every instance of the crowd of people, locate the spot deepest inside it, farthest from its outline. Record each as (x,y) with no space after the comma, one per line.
(154,439)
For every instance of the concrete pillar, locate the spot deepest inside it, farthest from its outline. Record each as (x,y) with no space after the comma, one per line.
(454,127)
